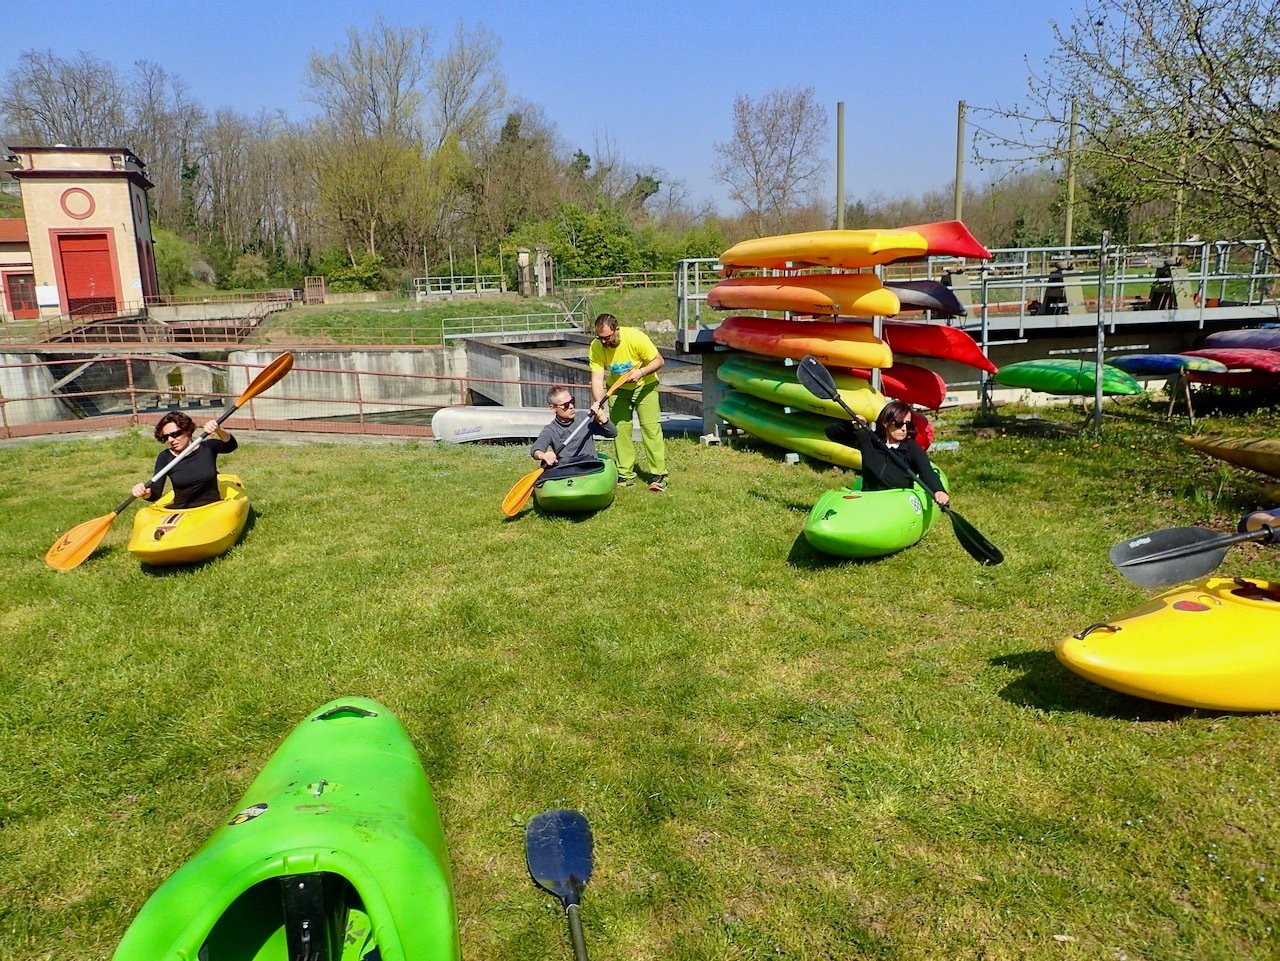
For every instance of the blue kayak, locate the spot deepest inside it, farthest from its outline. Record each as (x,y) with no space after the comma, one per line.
(1149,365)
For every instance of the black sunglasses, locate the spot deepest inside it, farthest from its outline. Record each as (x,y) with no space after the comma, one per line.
(165,438)
(565,406)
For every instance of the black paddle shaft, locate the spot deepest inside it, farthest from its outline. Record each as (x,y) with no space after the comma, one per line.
(819,382)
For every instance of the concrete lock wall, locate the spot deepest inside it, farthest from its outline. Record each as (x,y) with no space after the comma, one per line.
(25,391)
(324,381)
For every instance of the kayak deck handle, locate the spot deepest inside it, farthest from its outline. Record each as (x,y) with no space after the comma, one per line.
(345,710)
(1102,626)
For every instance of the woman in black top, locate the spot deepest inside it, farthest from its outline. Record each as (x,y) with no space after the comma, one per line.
(885,453)
(195,479)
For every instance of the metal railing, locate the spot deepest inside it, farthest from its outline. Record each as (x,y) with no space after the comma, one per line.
(425,288)
(642,278)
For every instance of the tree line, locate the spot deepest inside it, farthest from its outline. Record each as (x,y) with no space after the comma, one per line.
(418,158)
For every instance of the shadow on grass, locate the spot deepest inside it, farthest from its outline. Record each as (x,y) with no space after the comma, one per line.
(1047,685)
(805,557)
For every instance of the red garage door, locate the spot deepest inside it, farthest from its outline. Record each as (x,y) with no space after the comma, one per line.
(89,274)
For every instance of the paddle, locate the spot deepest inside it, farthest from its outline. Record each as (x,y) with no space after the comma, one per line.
(818,381)
(74,547)
(1174,555)
(518,496)
(557,847)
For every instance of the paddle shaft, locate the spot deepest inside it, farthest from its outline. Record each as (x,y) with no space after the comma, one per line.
(575,932)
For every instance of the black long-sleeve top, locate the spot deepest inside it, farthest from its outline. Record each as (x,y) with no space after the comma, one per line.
(880,469)
(195,479)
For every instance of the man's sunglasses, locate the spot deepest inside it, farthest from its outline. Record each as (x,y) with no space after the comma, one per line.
(565,406)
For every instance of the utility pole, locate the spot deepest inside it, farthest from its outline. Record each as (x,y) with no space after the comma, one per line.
(959,197)
(1071,175)
(840,165)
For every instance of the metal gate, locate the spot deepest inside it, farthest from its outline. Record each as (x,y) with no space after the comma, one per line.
(88,275)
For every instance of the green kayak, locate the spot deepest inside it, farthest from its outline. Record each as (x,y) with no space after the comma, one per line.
(851,522)
(1059,376)
(798,431)
(577,488)
(778,384)
(335,852)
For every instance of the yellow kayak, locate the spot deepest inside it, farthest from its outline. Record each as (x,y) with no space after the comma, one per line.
(164,536)
(827,248)
(851,295)
(1213,644)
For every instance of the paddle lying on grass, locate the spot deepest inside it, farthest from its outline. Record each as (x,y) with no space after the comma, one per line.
(1174,555)
(518,496)
(74,547)
(818,381)
(557,847)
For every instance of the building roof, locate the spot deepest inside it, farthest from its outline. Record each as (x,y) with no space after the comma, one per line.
(13,230)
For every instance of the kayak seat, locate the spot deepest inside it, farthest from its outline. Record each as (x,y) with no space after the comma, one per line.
(577,468)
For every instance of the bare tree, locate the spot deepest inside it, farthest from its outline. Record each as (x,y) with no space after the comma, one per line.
(773,162)
(166,127)
(1178,101)
(79,102)
(376,87)
(467,88)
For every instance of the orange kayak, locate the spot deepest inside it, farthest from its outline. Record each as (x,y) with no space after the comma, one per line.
(835,344)
(855,295)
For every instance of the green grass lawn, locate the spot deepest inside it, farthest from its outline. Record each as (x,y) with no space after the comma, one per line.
(781,756)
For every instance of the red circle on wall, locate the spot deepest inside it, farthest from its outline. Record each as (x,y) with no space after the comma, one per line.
(77,203)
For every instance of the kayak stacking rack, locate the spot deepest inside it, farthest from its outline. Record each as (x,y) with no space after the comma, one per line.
(1191,285)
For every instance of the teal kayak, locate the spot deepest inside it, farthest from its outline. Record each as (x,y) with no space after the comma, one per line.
(577,488)
(851,522)
(1059,376)
(335,852)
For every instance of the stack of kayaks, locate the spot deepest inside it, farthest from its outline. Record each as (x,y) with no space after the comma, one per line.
(850,522)
(1066,377)
(580,487)
(336,851)
(162,536)
(773,410)
(1212,644)
(1256,453)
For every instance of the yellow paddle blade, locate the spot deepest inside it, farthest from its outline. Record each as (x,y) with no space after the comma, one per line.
(73,547)
(518,496)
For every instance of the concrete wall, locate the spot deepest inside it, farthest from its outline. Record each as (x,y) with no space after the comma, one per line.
(326,383)
(19,383)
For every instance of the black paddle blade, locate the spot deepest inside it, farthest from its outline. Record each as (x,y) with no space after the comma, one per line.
(1174,555)
(558,849)
(977,546)
(816,379)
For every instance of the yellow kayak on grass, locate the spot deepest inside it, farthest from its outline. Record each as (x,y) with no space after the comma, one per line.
(165,536)
(1213,644)
(827,248)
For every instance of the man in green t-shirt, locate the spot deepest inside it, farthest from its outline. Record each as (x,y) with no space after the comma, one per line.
(625,353)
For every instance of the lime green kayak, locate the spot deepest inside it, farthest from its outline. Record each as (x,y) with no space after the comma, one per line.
(777,383)
(335,852)
(1055,375)
(577,488)
(851,522)
(798,431)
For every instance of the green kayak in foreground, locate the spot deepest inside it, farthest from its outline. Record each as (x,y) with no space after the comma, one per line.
(335,852)
(850,522)
(577,488)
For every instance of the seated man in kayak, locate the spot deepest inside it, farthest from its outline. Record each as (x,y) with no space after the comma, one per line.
(195,480)
(549,447)
(888,452)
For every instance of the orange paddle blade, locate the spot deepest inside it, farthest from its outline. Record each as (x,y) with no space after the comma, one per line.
(266,377)
(73,547)
(518,496)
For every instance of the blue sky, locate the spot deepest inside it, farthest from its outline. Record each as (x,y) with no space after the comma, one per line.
(656,79)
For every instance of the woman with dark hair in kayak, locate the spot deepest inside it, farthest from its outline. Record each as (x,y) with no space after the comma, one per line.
(888,452)
(195,480)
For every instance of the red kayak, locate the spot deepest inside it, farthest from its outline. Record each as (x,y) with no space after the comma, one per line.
(950,238)
(1249,358)
(914,385)
(920,339)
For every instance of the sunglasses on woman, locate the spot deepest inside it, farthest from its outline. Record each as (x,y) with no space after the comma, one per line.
(165,438)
